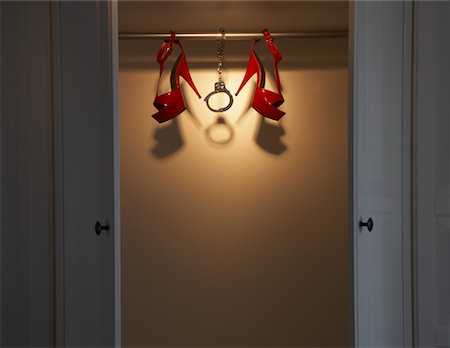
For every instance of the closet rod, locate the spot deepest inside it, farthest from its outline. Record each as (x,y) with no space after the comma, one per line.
(232,36)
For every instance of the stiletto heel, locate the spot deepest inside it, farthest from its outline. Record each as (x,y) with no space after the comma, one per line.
(171,104)
(184,72)
(264,101)
(252,68)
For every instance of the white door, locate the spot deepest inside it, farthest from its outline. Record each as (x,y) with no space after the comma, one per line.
(432,113)
(84,109)
(380,112)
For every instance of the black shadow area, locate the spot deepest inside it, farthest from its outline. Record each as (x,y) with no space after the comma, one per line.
(268,137)
(168,140)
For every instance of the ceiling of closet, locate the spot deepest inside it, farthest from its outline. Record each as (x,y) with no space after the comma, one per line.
(140,16)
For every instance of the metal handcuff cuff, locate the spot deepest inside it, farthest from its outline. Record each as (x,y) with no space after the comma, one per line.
(219,87)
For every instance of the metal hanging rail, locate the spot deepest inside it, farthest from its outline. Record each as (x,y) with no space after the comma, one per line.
(232,36)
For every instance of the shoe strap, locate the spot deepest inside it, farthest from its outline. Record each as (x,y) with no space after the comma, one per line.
(164,52)
(272,46)
(166,49)
(275,54)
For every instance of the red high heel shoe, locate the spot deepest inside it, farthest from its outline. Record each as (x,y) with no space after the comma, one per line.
(264,101)
(171,104)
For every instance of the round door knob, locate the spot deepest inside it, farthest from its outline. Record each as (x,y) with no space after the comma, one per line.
(368,224)
(99,228)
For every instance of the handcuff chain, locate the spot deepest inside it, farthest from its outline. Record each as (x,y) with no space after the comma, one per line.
(220,50)
(219,87)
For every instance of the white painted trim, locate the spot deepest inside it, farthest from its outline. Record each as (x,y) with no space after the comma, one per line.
(351,174)
(353,146)
(414,180)
(406,204)
(58,176)
(1,170)
(116,138)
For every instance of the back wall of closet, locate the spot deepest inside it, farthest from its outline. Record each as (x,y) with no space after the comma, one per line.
(243,244)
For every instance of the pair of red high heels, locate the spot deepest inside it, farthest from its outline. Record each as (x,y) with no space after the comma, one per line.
(171,104)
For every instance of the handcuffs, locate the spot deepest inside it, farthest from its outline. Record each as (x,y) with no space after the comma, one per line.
(219,87)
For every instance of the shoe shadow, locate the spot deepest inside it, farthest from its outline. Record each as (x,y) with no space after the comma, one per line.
(168,140)
(268,137)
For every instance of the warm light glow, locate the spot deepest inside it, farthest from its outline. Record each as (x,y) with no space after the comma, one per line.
(301,135)
(247,236)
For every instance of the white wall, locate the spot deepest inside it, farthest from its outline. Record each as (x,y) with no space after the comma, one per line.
(247,244)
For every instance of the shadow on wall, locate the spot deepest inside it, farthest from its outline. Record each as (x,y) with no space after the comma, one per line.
(268,137)
(310,55)
(169,139)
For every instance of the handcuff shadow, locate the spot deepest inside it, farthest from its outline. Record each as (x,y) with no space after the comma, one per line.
(169,140)
(268,137)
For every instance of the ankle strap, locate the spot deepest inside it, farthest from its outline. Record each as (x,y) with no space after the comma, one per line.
(272,46)
(275,54)
(166,49)
(164,52)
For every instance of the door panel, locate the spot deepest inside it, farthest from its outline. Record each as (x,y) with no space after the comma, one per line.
(380,95)
(432,90)
(86,124)
(26,170)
